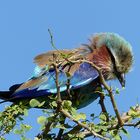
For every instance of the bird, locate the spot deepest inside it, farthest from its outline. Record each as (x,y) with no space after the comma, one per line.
(108,51)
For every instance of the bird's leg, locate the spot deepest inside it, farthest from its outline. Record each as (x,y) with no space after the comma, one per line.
(101,102)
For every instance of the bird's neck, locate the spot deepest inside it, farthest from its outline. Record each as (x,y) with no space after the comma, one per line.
(101,58)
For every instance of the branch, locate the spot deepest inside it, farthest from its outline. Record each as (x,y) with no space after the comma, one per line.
(120,120)
(126,117)
(102,80)
(66,114)
(59,100)
(133,113)
(101,102)
(83,125)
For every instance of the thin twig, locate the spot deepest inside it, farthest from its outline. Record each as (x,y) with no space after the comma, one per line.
(52,42)
(132,124)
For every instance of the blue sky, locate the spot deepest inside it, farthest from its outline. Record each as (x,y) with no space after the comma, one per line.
(23,35)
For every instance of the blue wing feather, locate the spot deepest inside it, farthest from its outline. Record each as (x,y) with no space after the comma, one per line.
(83,76)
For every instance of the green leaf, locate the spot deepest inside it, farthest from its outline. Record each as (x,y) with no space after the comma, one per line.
(41,104)
(117,137)
(54,104)
(70,135)
(113,133)
(102,117)
(37,138)
(2,138)
(117,91)
(104,128)
(26,127)
(34,103)
(80,116)
(25,112)
(83,116)
(67,103)
(61,126)
(68,75)
(125,132)
(97,128)
(16,131)
(80,135)
(41,120)
(24,138)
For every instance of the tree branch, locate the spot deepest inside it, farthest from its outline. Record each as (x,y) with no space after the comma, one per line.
(126,117)
(83,125)
(102,80)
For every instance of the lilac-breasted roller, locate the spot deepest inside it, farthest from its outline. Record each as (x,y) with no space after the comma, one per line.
(108,51)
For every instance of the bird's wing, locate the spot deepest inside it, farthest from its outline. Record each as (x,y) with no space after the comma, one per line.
(45,59)
(48,58)
(44,83)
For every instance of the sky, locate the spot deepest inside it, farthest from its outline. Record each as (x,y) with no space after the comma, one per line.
(24,34)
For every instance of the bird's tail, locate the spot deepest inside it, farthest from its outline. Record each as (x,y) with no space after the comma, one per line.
(5,96)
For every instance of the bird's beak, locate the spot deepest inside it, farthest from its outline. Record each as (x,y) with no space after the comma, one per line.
(121,78)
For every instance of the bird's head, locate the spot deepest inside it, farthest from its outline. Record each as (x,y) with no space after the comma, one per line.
(112,54)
